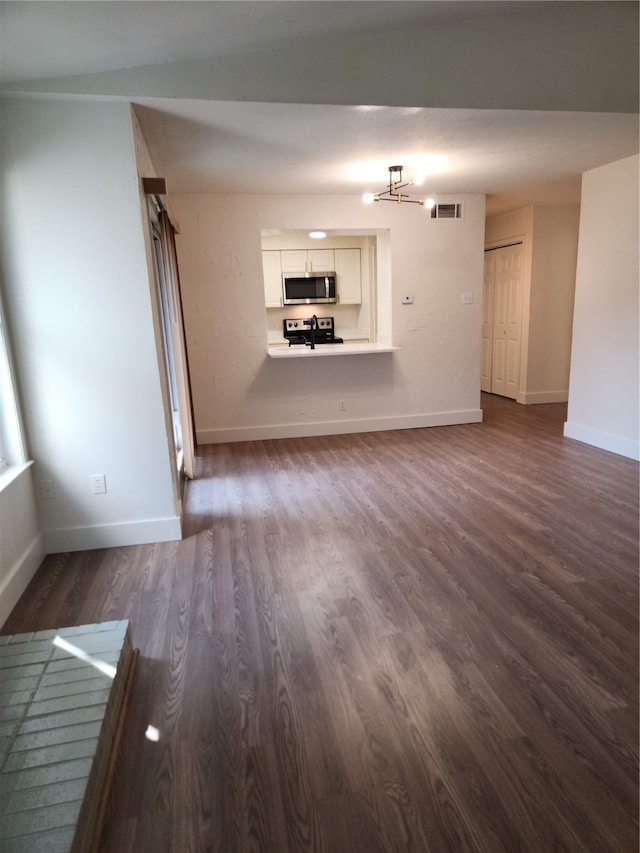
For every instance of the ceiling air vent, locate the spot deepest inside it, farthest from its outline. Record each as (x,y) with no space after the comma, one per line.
(446,211)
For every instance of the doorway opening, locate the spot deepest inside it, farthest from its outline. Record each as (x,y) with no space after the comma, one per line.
(502,319)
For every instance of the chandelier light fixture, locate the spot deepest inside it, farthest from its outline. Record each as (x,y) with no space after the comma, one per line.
(394,192)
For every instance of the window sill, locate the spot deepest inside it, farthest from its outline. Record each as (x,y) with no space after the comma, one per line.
(11,473)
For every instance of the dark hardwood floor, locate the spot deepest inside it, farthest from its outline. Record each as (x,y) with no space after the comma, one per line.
(423,640)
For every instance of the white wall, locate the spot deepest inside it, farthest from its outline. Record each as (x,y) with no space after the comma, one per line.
(240,393)
(603,389)
(553,276)
(78,300)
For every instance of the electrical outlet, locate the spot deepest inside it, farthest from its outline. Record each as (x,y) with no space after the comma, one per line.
(47,490)
(99,484)
(466,298)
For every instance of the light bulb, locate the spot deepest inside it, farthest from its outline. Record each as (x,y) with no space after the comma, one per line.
(368,198)
(317,235)
(429,203)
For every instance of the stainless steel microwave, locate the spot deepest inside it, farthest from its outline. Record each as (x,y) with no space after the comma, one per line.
(307,288)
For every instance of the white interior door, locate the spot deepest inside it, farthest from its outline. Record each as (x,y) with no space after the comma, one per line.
(504,314)
(487,322)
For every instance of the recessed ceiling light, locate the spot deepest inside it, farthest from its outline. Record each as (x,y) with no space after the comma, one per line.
(317,235)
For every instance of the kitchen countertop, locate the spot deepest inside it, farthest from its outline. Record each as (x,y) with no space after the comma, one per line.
(282,351)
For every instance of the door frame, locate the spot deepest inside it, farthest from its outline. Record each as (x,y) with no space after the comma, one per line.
(173,340)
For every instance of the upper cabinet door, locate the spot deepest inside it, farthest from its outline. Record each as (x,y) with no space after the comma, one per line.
(294,260)
(321,260)
(349,281)
(307,260)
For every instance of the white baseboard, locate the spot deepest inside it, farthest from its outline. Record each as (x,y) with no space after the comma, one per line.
(112,535)
(604,440)
(19,575)
(342,427)
(532,397)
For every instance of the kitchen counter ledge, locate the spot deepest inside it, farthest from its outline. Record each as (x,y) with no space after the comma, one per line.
(281,351)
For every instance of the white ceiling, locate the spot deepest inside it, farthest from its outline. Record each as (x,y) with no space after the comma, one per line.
(312,148)
(225,145)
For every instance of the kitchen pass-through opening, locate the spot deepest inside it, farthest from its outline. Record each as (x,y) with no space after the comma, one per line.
(354,269)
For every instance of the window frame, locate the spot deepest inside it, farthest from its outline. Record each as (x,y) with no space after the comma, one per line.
(13,450)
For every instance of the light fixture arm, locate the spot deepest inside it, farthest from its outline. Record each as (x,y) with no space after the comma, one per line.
(394,191)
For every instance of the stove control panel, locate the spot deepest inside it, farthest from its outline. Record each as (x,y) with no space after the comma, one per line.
(309,331)
(304,325)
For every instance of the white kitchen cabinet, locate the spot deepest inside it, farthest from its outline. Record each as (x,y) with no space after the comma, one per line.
(348,276)
(272,273)
(294,260)
(321,260)
(307,260)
